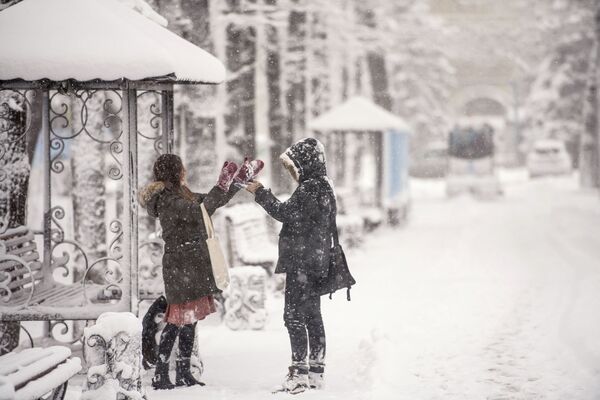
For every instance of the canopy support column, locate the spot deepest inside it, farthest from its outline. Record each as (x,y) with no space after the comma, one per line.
(378,141)
(45,134)
(167,106)
(130,230)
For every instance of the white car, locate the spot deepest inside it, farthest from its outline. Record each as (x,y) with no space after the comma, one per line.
(548,157)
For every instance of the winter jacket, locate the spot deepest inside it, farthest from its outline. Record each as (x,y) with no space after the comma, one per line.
(305,239)
(186,268)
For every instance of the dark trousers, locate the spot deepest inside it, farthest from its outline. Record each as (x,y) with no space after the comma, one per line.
(303,320)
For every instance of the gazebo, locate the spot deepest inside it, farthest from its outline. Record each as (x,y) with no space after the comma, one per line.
(83,69)
(370,148)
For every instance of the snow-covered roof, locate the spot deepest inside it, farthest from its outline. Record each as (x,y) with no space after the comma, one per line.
(358,114)
(96,39)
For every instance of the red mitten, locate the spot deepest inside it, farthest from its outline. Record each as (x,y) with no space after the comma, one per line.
(248,171)
(226,176)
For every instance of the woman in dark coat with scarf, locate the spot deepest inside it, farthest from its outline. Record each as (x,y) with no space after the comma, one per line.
(187,272)
(305,243)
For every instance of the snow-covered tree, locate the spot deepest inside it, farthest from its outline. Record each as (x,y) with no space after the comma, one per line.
(555,104)
(421,74)
(290,60)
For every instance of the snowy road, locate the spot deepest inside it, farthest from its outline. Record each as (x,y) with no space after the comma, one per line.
(471,300)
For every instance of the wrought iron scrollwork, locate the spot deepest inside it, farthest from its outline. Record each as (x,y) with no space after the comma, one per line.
(95,113)
(59,329)
(5,290)
(150,118)
(14,101)
(57,145)
(91,273)
(115,249)
(115,172)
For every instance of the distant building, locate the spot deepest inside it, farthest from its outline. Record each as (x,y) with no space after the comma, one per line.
(488,83)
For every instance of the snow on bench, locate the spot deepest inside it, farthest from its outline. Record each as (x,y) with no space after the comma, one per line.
(32,373)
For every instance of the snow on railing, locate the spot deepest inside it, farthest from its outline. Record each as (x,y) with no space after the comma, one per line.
(245,298)
(112,350)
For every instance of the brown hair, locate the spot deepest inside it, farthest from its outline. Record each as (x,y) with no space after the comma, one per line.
(168,168)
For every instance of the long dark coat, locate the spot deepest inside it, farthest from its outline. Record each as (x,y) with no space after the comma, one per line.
(187,272)
(305,239)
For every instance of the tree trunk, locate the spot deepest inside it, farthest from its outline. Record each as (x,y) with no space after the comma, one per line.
(589,167)
(88,194)
(13,186)
(596,77)
(241,61)
(294,69)
(379,80)
(276,117)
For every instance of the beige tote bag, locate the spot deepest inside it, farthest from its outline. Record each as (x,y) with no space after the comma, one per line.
(220,268)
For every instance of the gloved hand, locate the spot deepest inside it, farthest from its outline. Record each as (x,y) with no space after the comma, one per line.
(253,186)
(227,174)
(248,171)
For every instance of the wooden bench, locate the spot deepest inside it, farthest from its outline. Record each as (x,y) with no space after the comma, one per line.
(20,266)
(250,241)
(33,373)
(23,280)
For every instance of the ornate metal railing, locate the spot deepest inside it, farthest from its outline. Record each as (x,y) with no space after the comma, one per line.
(84,138)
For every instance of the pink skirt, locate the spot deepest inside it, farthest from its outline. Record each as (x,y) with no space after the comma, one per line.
(190,312)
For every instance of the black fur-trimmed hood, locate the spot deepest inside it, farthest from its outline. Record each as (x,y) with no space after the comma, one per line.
(307,158)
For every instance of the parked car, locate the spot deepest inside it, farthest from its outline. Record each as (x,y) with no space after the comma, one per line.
(548,157)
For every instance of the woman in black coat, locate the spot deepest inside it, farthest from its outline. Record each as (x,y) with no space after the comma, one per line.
(305,243)
(187,272)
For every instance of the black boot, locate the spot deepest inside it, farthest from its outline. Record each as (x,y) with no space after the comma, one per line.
(161,380)
(183,374)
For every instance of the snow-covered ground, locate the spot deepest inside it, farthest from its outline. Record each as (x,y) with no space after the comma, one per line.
(471,300)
